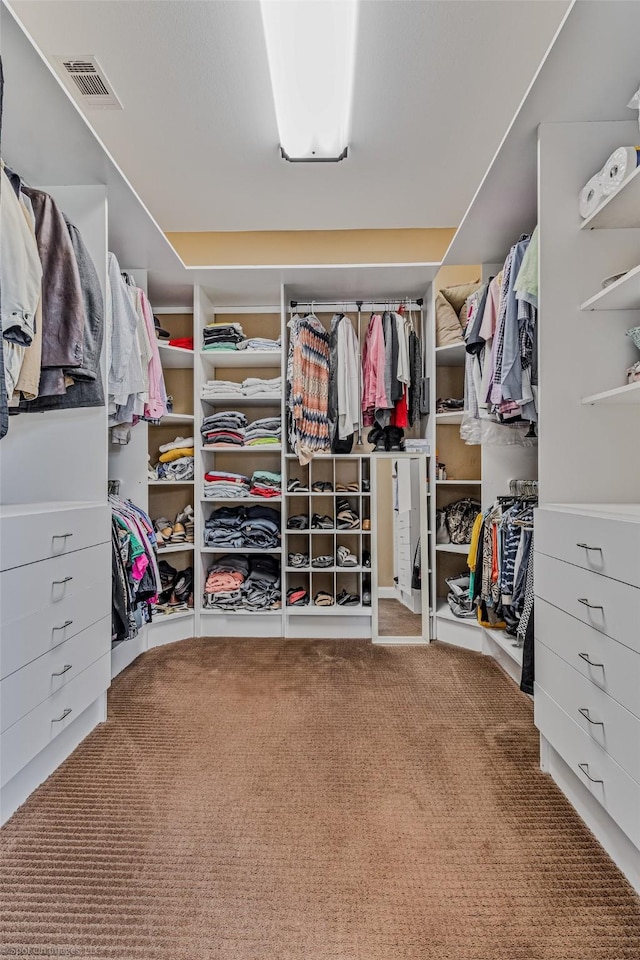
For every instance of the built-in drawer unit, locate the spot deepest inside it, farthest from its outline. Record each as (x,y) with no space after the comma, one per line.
(31,734)
(608,545)
(40,531)
(608,665)
(607,605)
(26,688)
(601,717)
(612,787)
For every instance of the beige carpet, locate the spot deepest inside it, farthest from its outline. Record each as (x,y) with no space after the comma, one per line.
(395,620)
(327,800)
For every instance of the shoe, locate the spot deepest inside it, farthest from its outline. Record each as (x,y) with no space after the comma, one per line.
(297,597)
(164,530)
(366,558)
(299,522)
(294,486)
(322,562)
(366,486)
(366,524)
(348,520)
(183,587)
(300,560)
(346,599)
(323,599)
(345,558)
(322,486)
(321,523)
(394,439)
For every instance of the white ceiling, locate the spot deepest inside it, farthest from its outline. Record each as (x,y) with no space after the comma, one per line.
(436,86)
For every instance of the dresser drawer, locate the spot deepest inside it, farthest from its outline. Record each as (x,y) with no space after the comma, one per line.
(603,719)
(618,793)
(607,605)
(50,582)
(603,545)
(611,666)
(50,530)
(26,688)
(26,738)
(51,627)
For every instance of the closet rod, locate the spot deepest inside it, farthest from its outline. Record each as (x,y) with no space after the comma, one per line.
(379,302)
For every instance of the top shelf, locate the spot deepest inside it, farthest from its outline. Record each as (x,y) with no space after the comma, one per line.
(175,357)
(242,358)
(453,355)
(619,211)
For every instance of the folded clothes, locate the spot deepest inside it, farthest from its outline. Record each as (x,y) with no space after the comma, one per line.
(259,343)
(181,469)
(239,582)
(257,527)
(176,454)
(184,343)
(177,443)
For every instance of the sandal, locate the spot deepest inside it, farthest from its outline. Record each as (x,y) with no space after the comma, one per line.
(164,528)
(298,560)
(299,522)
(321,523)
(347,487)
(323,599)
(294,486)
(297,597)
(179,534)
(345,599)
(322,486)
(348,520)
(322,562)
(346,558)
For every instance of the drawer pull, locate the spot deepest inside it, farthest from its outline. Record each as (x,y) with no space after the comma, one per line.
(584,768)
(61,536)
(592,606)
(58,583)
(65,669)
(63,626)
(65,713)
(585,713)
(587,659)
(585,546)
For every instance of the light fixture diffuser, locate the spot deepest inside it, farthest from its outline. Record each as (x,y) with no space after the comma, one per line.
(311,46)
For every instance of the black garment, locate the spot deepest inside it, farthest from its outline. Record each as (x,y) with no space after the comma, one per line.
(528,657)
(120,597)
(332,405)
(415,368)
(4,406)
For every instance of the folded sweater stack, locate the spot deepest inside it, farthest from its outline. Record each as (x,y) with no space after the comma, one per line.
(239,582)
(255,528)
(251,387)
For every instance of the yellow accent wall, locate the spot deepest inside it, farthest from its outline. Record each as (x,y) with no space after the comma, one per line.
(291,247)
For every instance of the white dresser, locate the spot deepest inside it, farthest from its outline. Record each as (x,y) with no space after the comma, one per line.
(587,665)
(55,637)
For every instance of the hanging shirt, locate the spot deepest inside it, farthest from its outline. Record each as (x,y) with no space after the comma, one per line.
(349,376)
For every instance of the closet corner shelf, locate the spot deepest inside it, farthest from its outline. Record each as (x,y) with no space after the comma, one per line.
(506,643)
(457,483)
(171,483)
(453,355)
(175,356)
(242,358)
(461,548)
(448,418)
(213,612)
(628,394)
(177,418)
(175,548)
(159,618)
(624,294)
(619,211)
(261,448)
(443,612)
(303,570)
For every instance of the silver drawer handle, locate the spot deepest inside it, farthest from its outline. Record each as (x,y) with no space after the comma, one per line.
(585,713)
(57,583)
(65,669)
(585,546)
(61,536)
(592,606)
(587,659)
(63,626)
(584,768)
(65,713)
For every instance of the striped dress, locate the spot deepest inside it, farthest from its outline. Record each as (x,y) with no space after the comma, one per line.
(308,386)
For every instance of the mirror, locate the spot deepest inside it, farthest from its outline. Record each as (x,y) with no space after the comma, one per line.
(400,570)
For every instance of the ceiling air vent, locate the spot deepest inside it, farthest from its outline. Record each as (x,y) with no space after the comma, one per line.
(88,80)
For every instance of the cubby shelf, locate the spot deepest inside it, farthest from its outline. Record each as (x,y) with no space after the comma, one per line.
(327,569)
(506,643)
(242,612)
(461,548)
(175,357)
(443,612)
(175,548)
(170,483)
(624,294)
(242,358)
(159,618)
(247,550)
(453,355)
(234,400)
(312,610)
(264,448)
(266,500)
(444,418)
(458,483)
(177,418)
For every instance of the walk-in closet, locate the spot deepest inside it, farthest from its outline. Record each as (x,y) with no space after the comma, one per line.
(319,480)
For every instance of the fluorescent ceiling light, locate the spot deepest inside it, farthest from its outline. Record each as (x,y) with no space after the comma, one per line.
(311,45)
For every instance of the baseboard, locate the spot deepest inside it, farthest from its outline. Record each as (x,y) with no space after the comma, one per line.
(387,593)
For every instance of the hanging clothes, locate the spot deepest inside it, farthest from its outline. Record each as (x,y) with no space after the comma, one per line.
(136,581)
(308,387)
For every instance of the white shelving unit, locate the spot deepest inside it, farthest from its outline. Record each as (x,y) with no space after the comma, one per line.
(619,396)
(175,357)
(620,211)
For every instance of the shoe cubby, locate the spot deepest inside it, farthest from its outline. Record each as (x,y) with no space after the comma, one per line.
(323,506)
(322,581)
(298,581)
(353,543)
(322,545)
(347,470)
(352,583)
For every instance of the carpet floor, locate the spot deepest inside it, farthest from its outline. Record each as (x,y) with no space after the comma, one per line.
(395,620)
(310,800)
